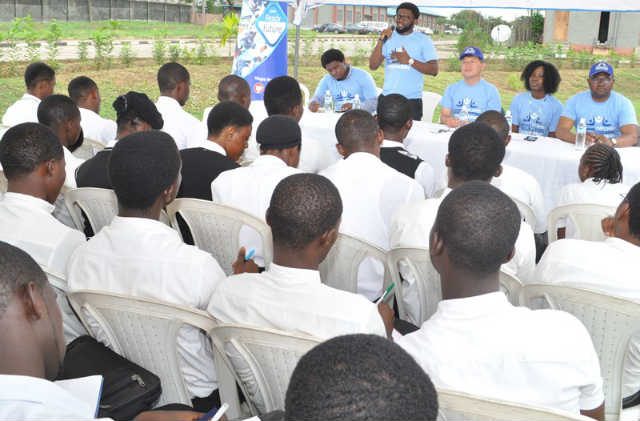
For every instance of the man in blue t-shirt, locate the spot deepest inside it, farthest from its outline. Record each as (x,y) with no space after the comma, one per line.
(465,100)
(344,82)
(610,117)
(408,56)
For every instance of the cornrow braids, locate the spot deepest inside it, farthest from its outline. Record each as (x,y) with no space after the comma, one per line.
(604,162)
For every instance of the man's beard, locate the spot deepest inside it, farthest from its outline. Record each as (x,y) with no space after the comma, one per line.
(405,29)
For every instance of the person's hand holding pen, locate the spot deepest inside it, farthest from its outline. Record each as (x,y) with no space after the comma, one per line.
(244,262)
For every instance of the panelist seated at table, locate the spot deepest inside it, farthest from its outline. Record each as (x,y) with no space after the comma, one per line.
(344,82)
(537,111)
(610,116)
(465,100)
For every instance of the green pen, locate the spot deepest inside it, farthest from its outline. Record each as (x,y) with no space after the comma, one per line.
(386,292)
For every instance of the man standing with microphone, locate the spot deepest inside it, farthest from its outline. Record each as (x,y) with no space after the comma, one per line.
(408,55)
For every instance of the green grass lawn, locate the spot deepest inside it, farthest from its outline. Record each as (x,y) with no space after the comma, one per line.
(141,76)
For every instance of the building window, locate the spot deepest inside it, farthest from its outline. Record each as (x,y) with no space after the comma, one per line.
(358,16)
(603,30)
(349,16)
(340,15)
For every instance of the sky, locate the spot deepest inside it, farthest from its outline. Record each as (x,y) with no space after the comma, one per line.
(506,14)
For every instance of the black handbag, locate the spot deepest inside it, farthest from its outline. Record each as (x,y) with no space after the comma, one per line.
(127,388)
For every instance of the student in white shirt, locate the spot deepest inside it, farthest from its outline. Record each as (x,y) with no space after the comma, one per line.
(85,93)
(371,191)
(479,343)
(359,377)
(33,162)
(250,188)
(40,79)
(174,83)
(395,120)
(513,181)
(138,255)
(32,350)
(610,266)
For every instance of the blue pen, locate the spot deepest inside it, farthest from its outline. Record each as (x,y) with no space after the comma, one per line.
(249,254)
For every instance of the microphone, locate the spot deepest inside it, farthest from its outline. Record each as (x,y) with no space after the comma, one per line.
(386,37)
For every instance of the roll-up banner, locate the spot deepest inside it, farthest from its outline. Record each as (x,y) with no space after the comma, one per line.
(261,50)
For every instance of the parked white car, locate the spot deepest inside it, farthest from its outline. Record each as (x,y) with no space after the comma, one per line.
(374,26)
(423,29)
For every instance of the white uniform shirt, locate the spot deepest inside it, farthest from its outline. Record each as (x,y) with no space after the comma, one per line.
(371,192)
(485,346)
(249,189)
(519,184)
(97,128)
(27,223)
(24,110)
(145,258)
(213,146)
(424,173)
(71,164)
(32,398)
(610,266)
(186,130)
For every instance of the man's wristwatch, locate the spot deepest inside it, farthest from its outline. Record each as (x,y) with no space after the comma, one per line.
(411,61)
(614,141)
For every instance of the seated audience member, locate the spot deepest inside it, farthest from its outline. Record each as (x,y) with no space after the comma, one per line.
(537,111)
(32,350)
(513,181)
(134,113)
(235,89)
(40,80)
(174,83)
(477,342)
(475,153)
(465,100)
(359,377)
(609,266)
(610,116)
(344,82)
(394,119)
(229,129)
(138,255)
(33,162)
(371,191)
(60,114)
(86,95)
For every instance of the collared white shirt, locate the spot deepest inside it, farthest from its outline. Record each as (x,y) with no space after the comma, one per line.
(71,164)
(519,184)
(371,192)
(97,128)
(609,266)
(213,146)
(424,173)
(32,398)
(145,258)
(24,110)
(186,130)
(250,189)
(485,346)
(27,223)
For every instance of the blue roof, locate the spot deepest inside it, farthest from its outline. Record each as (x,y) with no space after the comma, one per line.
(391,11)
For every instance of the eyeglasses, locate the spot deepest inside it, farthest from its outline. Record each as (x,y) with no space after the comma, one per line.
(602,79)
(404,17)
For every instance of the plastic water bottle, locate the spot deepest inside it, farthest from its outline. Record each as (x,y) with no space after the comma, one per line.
(464,114)
(328,102)
(581,134)
(507,115)
(356,102)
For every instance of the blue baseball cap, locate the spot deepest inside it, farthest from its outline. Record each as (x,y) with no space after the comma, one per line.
(600,67)
(472,51)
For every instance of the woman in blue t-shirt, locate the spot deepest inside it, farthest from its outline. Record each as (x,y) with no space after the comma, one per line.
(537,111)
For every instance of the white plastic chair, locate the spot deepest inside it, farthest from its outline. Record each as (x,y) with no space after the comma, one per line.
(4,183)
(586,220)
(205,114)
(306,96)
(88,149)
(262,361)
(526,212)
(99,206)
(215,229)
(458,406)
(340,268)
(511,286)
(430,101)
(71,326)
(144,331)
(611,321)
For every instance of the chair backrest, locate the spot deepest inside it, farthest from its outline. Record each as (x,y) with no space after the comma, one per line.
(456,406)
(511,286)
(144,331)
(4,183)
(585,217)
(205,114)
(88,149)
(98,205)
(611,321)
(340,268)
(306,96)
(215,228)
(413,266)
(430,101)
(262,361)
(526,212)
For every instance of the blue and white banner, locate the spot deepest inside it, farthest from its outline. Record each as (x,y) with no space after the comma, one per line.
(261,51)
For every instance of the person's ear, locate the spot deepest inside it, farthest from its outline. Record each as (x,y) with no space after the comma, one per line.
(508,139)
(228,132)
(32,301)
(498,171)
(267,216)
(510,255)
(341,150)
(170,193)
(436,245)
(447,161)
(379,137)
(328,238)
(408,125)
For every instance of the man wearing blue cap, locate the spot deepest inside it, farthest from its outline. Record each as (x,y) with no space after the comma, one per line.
(610,117)
(465,100)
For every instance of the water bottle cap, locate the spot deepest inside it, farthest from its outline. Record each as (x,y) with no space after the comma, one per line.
(582,120)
